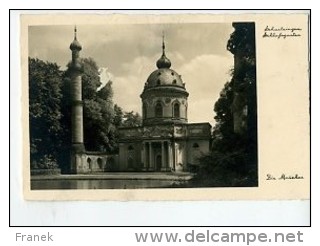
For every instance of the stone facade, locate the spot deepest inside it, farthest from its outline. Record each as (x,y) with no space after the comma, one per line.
(165,141)
(92,162)
(166,147)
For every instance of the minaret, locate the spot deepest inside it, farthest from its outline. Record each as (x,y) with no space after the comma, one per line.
(77,106)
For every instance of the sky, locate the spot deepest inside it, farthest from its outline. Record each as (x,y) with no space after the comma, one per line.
(127,55)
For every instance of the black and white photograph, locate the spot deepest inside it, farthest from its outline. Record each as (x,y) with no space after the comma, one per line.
(138,106)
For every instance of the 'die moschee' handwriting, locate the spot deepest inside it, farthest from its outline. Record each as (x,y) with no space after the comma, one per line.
(284,177)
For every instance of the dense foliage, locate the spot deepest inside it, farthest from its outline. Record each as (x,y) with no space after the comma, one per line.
(45,80)
(233,158)
(50,113)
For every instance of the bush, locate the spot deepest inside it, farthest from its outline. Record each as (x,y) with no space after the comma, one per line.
(47,162)
(227,167)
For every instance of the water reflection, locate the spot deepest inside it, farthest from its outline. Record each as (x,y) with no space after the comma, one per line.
(100,184)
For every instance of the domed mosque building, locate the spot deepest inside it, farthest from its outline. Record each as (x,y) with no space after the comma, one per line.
(165,141)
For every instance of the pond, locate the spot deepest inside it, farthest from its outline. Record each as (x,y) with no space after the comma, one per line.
(101,184)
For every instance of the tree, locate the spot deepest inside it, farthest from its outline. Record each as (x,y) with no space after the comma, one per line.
(64,150)
(233,159)
(242,45)
(118,116)
(100,129)
(90,79)
(45,81)
(131,119)
(222,109)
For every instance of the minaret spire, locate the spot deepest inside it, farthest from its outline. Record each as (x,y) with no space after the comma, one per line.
(163,44)
(163,62)
(75,32)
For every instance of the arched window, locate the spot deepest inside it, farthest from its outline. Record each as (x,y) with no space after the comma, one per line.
(158,110)
(99,161)
(89,162)
(176,110)
(144,111)
(130,156)
(111,164)
(130,162)
(186,112)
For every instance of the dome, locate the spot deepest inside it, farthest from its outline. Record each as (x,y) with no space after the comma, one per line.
(75,45)
(164,76)
(163,62)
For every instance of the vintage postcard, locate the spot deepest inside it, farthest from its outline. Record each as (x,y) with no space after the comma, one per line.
(165,106)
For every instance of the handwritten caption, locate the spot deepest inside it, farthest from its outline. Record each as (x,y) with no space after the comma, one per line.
(284,177)
(281,32)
